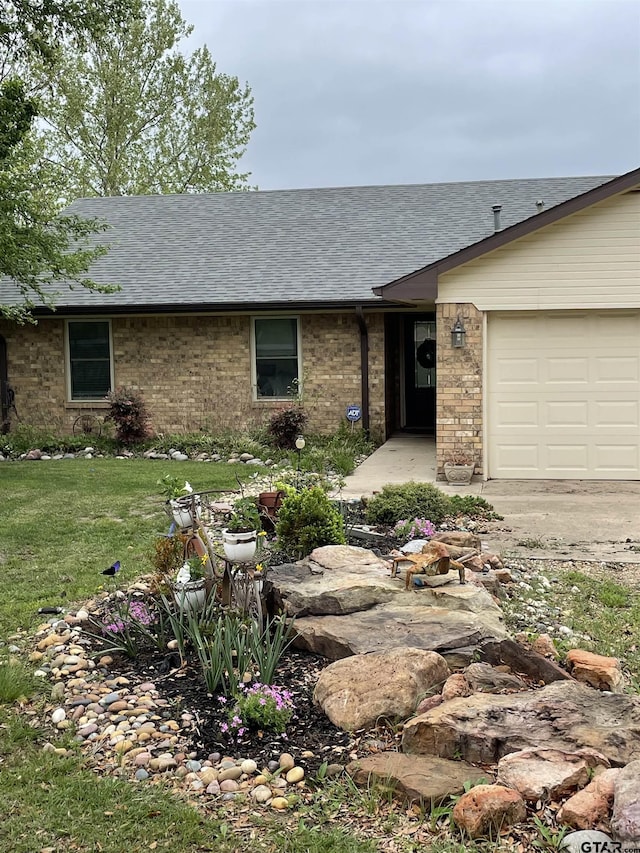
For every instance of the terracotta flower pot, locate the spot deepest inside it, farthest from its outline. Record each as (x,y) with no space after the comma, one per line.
(268,505)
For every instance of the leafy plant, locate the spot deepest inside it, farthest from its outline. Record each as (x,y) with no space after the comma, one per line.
(245,516)
(261,706)
(407,500)
(267,648)
(128,411)
(308,520)
(167,557)
(174,487)
(549,839)
(197,567)
(124,626)
(286,425)
(472,506)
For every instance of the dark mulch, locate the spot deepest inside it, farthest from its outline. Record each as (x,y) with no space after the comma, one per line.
(309,731)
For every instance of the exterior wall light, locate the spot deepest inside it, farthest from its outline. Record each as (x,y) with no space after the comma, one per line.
(458,334)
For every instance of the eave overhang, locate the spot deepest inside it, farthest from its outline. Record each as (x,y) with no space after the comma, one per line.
(422,285)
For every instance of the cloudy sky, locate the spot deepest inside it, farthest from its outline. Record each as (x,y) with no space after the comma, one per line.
(352,92)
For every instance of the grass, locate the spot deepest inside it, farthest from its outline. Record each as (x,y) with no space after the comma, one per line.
(64,521)
(602,613)
(61,523)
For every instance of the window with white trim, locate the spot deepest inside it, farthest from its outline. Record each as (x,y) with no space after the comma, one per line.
(89,353)
(277,356)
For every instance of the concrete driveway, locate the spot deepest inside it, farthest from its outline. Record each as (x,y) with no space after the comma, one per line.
(552,519)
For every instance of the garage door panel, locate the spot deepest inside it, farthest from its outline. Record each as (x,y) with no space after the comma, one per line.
(518,457)
(518,414)
(516,371)
(616,369)
(563,394)
(617,414)
(567,457)
(564,413)
(617,458)
(567,370)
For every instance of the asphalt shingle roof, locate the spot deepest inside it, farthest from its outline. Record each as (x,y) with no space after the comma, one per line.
(308,246)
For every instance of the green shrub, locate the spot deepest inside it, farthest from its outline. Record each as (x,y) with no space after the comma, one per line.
(408,500)
(286,425)
(473,506)
(308,520)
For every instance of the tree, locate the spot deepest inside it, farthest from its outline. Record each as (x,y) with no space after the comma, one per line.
(130,114)
(38,247)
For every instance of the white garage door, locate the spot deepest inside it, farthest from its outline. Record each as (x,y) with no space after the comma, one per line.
(564,395)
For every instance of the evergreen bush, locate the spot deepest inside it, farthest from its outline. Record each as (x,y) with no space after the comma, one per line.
(308,520)
(408,500)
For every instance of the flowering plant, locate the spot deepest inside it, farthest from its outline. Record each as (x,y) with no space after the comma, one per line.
(417,528)
(126,624)
(193,569)
(174,488)
(261,706)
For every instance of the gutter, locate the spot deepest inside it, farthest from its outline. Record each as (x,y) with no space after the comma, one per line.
(364,367)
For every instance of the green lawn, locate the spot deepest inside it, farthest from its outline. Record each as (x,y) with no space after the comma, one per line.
(61,523)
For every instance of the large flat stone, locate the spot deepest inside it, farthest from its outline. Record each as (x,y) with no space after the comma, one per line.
(388,626)
(564,715)
(426,778)
(341,579)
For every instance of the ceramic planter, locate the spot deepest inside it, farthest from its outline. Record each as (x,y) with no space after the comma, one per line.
(459,475)
(239,546)
(181,512)
(191,596)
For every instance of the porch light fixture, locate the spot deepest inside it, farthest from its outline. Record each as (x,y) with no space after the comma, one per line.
(458,333)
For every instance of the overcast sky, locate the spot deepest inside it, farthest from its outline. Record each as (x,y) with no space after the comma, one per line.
(351,92)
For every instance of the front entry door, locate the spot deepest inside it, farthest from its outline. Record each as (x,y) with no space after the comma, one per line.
(420,373)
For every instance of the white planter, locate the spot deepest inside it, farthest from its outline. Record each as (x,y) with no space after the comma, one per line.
(181,512)
(459,475)
(190,597)
(239,546)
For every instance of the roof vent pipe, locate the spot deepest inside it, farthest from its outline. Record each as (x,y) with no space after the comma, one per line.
(540,205)
(496,217)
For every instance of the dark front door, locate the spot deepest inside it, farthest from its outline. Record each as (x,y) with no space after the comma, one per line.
(420,372)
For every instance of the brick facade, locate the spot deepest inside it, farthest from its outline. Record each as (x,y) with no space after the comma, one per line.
(195,371)
(459,384)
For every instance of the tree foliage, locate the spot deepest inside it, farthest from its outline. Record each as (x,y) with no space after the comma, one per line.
(130,114)
(36,246)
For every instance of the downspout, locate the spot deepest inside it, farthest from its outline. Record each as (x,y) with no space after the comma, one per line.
(364,368)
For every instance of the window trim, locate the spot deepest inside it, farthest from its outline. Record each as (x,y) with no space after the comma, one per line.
(254,372)
(67,359)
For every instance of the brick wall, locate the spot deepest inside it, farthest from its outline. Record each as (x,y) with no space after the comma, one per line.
(195,372)
(459,384)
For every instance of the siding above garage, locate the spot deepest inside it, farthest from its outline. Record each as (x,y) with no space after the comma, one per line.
(591,259)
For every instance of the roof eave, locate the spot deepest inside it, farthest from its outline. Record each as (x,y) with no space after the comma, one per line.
(410,288)
(206,308)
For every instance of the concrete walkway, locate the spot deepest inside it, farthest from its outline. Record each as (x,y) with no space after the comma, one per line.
(554,519)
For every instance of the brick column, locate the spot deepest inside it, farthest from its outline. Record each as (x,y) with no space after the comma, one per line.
(459,384)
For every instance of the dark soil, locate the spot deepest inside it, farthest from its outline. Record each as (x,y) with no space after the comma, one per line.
(310,737)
